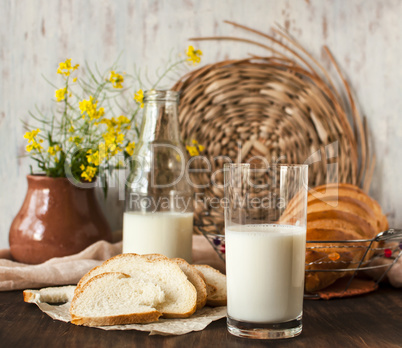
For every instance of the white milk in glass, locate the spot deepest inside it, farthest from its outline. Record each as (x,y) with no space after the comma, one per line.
(164,233)
(265,272)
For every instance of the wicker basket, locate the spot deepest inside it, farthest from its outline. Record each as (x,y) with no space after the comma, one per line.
(274,108)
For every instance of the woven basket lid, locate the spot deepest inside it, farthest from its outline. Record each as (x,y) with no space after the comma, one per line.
(272,108)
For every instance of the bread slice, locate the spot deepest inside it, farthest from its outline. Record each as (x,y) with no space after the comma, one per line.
(155,256)
(338,219)
(216,279)
(180,294)
(211,289)
(60,294)
(193,275)
(345,204)
(116,298)
(326,193)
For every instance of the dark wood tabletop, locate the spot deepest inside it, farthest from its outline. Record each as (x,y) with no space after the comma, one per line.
(372,320)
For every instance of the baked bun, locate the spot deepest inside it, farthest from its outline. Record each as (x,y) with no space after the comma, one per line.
(337,212)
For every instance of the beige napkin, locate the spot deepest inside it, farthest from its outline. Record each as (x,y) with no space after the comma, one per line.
(70,269)
(197,322)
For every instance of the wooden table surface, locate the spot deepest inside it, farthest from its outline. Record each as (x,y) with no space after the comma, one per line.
(372,320)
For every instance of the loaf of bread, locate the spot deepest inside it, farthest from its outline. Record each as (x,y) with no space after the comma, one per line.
(131,288)
(337,212)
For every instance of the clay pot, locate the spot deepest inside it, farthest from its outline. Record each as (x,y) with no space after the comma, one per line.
(56,219)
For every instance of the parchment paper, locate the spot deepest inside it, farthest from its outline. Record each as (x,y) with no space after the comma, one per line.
(197,322)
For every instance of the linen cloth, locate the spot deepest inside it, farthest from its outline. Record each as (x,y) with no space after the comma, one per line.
(68,270)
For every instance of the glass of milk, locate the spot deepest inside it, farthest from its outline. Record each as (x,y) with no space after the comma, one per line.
(159,199)
(265,234)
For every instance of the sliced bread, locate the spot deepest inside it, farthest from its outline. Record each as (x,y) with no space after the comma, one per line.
(215,279)
(116,298)
(180,294)
(211,289)
(193,275)
(60,294)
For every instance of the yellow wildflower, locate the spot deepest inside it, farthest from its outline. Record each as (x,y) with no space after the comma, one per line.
(90,106)
(119,138)
(123,122)
(36,145)
(65,68)
(74,79)
(116,79)
(115,124)
(93,158)
(102,151)
(88,172)
(108,137)
(194,55)
(30,136)
(51,150)
(192,150)
(113,139)
(33,143)
(123,119)
(130,148)
(61,94)
(195,149)
(139,97)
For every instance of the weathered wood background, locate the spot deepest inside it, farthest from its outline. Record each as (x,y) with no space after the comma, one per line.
(35,35)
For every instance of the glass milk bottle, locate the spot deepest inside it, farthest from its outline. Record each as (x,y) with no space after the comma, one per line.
(159,199)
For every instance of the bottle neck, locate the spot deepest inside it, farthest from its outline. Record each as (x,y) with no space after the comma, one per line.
(160,118)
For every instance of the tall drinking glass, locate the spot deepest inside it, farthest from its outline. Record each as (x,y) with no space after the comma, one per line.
(265,234)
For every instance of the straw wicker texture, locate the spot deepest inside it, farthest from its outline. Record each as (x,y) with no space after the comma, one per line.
(277,107)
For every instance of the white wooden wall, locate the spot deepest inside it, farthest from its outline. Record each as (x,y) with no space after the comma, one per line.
(35,35)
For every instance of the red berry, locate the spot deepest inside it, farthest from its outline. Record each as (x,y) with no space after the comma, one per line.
(388,253)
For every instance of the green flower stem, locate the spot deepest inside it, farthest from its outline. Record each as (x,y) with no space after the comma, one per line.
(170,68)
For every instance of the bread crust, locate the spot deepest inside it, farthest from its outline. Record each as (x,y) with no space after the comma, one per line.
(194,277)
(213,299)
(117,319)
(30,295)
(87,277)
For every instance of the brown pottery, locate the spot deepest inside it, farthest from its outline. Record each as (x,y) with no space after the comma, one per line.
(56,219)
